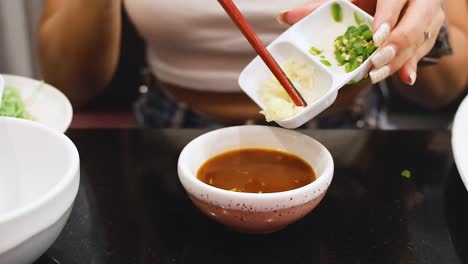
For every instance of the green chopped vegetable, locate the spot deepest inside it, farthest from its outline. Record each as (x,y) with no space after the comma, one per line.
(369,50)
(13,105)
(315,51)
(322,57)
(406,174)
(367,35)
(326,63)
(357,18)
(352,66)
(337,14)
(363,28)
(354,47)
(350,30)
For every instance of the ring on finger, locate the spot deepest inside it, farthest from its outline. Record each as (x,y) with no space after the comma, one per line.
(427,35)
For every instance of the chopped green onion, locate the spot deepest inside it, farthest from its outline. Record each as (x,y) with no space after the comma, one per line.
(350,30)
(315,51)
(13,105)
(353,65)
(336,12)
(367,35)
(326,63)
(369,50)
(357,19)
(406,174)
(362,28)
(354,47)
(340,59)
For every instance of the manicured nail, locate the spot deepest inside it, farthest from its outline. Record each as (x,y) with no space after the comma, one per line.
(384,56)
(281,17)
(379,74)
(412,76)
(381,34)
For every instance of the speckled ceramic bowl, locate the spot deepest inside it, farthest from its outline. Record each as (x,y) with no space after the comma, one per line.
(252,212)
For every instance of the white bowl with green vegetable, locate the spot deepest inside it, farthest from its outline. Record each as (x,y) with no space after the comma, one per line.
(320,54)
(2,84)
(35,100)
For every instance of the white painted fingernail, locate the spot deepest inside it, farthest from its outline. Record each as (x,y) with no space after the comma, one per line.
(280,18)
(412,78)
(384,56)
(379,74)
(381,34)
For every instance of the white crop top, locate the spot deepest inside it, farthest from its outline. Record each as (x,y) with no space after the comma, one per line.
(194,44)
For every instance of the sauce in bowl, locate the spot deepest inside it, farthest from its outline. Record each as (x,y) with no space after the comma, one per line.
(256,171)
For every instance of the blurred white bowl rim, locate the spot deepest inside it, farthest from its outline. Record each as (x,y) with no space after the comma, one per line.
(460,140)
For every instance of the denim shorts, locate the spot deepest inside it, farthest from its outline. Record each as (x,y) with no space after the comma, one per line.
(155,109)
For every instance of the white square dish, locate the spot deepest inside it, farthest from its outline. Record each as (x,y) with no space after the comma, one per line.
(319,30)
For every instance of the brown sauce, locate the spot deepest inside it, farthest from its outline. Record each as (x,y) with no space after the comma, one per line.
(256,171)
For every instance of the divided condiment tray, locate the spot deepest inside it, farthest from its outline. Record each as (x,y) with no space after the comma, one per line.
(318,30)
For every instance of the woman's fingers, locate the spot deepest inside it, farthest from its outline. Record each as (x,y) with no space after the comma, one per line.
(408,73)
(406,39)
(386,17)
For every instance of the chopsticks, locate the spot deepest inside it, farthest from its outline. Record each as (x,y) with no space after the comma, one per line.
(257,44)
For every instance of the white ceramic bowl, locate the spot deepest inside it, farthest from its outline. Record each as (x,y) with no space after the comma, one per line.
(319,30)
(252,212)
(39,179)
(460,140)
(47,104)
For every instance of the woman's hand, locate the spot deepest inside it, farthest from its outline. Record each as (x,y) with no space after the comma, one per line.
(404,30)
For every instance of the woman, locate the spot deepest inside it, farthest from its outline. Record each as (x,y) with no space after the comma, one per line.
(196,54)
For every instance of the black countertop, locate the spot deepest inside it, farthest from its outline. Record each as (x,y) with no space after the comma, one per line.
(131,207)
